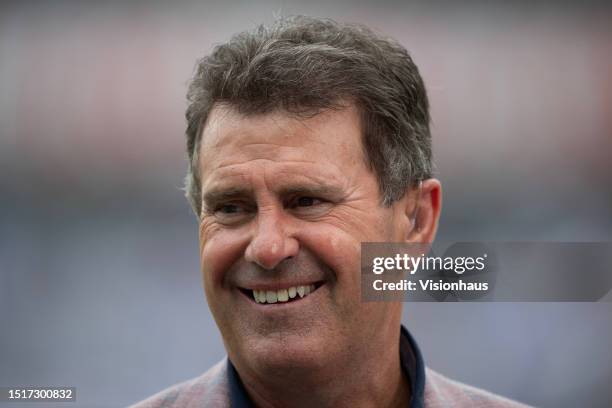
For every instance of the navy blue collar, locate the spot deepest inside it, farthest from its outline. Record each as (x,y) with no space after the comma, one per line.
(238,395)
(414,368)
(410,357)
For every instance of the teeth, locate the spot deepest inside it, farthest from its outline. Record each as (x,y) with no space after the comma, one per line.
(283,295)
(271,296)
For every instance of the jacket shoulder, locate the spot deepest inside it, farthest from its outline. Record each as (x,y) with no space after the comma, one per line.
(444,392)
(210,390)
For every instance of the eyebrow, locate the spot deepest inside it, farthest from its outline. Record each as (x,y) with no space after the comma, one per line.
(330,191)
(214,197)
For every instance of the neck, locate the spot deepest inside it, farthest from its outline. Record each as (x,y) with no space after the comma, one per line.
(373,379)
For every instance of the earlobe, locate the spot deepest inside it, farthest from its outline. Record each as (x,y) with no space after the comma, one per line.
(426,207)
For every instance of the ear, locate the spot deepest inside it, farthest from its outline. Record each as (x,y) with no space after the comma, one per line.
(424,214)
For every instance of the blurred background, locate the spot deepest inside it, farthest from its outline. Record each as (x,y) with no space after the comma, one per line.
(99,278)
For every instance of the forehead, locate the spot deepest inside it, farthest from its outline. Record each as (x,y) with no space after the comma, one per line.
(327,142)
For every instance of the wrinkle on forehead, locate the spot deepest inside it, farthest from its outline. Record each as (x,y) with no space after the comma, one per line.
(231,139)
(225,125)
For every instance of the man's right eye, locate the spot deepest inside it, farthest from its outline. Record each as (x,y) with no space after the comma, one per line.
(231,213)
(228,209)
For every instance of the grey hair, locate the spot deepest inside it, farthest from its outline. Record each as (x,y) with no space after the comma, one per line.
(304,65)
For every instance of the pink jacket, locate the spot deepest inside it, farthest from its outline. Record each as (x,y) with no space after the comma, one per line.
(211,390)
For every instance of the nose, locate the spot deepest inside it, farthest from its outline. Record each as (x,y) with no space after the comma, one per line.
(271,243)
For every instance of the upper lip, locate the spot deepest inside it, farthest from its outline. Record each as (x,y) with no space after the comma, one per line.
(278,285)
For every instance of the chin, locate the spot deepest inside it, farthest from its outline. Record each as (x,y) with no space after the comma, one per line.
(285,352)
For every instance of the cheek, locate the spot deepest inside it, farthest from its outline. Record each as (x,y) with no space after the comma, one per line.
(338,240)
(335,248)
(218,252)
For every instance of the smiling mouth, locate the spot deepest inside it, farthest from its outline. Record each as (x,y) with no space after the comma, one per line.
(286,295)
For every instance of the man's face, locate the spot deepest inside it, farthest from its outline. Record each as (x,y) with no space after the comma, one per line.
(286,204)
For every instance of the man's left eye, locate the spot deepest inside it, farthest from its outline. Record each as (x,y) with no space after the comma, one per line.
(308,206)
(306,201)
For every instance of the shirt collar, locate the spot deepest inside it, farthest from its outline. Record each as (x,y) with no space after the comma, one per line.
(410,358)
(413,366)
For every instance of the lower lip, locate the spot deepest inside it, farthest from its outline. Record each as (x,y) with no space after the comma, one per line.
(270,307)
